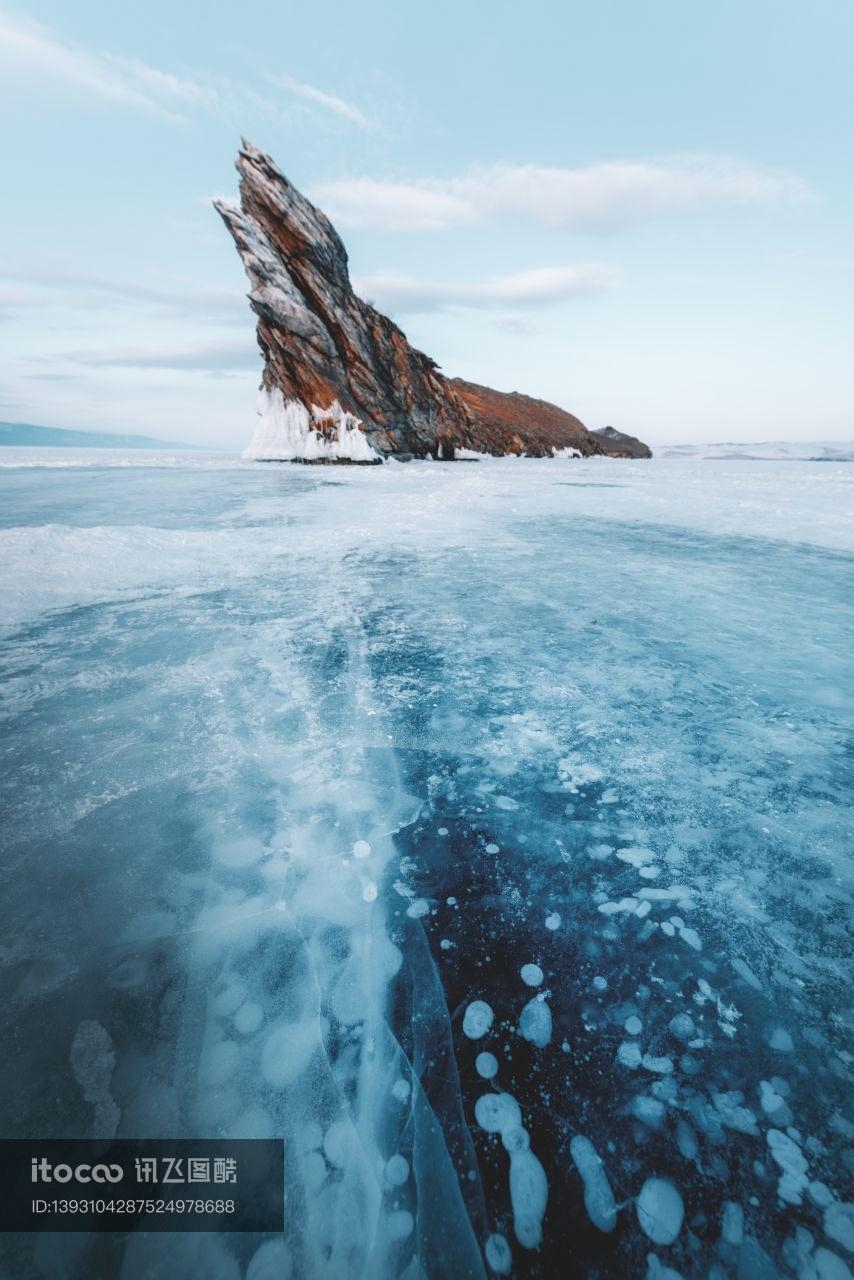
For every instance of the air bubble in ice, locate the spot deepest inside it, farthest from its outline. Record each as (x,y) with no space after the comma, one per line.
(400,1224)
(598,1197)
(532,975)
(397,1171)
(535,1022)
(496,1112)
(248,1018)
(498,1254)
(660,1210)
(682,1026)
(477,1019)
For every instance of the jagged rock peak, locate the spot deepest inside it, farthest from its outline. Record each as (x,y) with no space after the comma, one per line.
(331,360)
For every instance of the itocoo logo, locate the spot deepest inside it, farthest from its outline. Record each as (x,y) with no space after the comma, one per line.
(43,1171)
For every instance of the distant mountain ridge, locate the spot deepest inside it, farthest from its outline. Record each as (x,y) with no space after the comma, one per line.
(26,434)
(764,451)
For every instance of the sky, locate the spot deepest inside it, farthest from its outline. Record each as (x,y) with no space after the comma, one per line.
(642,212)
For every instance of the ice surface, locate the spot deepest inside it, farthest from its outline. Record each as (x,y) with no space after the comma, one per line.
(254,714)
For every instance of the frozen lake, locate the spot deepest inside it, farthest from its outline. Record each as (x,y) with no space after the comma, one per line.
(482,829)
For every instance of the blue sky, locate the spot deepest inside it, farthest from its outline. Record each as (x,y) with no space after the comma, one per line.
(642,212)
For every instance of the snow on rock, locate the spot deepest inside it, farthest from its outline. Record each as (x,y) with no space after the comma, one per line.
(598,1197)
(288,429)
(660,1210)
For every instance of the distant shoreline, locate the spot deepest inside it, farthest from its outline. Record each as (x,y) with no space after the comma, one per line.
(27,435)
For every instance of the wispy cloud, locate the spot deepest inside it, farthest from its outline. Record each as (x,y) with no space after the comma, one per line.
(328,101)
(54,285)
(30,48)
(207,357)
(598,197)
(403,294)
(522,325)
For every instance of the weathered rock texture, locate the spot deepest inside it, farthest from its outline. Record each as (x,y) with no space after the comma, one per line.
(321,343)
(619,445)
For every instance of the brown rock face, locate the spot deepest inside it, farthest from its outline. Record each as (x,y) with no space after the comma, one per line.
(321,343)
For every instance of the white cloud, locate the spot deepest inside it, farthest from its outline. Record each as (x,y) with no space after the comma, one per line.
(208,357)
(394,206)
(543,285)
(598,197)
(338,106)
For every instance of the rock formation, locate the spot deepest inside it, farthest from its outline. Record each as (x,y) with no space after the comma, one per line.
(619,445)
(340,380)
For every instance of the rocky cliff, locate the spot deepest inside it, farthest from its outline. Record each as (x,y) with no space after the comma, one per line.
(340,380)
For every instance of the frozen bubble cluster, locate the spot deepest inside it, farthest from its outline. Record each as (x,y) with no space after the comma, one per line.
(478,831)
